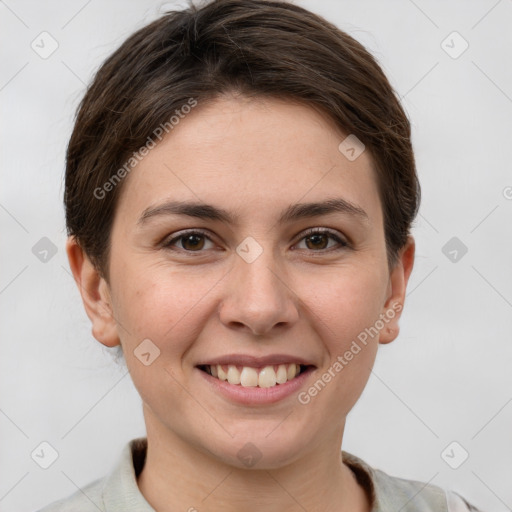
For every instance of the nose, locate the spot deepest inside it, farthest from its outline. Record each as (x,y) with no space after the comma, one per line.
(257,297)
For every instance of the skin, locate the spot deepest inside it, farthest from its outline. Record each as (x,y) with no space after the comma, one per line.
(300,298)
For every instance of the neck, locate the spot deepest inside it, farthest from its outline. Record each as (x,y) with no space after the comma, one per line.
(177,476)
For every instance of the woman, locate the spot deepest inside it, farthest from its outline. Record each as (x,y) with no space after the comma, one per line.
(240,187)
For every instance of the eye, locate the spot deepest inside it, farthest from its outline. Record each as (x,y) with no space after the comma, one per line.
(315,239)
(318,239)
(190,241)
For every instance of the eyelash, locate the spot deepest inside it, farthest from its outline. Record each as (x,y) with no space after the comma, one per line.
(312,231)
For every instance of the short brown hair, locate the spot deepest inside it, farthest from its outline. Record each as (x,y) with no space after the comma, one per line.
(252,47)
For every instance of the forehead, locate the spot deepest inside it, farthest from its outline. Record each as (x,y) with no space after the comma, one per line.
(252,155)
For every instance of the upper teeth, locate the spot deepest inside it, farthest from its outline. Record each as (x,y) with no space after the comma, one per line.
(250,377)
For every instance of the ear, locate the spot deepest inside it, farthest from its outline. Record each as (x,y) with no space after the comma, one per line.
(95,294)
(398,279)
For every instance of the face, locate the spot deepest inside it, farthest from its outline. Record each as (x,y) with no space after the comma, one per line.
(247,244)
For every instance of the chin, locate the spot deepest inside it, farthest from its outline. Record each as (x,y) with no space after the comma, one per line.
(261,450)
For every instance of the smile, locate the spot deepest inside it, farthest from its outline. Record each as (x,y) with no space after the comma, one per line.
(247,376)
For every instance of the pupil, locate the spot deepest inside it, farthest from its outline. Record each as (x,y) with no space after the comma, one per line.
(318,238)
(194,241)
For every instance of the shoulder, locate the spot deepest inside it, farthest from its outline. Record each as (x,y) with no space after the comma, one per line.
(411,495)
(415,496)
(118,491)
(87,499)
(390,493)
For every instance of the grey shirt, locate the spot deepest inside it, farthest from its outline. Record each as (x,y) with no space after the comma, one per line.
(118,492)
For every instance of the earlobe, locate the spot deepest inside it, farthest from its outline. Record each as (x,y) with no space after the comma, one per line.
(398,279)
(95,294)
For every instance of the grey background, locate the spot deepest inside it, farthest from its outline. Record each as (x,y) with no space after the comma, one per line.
(448,376)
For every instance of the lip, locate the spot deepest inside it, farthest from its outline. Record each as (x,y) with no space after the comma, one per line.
(256,395)
(255,361)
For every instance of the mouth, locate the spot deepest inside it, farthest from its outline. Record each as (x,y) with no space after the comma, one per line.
(268,376)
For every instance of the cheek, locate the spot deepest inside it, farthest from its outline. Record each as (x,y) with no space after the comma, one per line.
(169,308)
(163,305)
(345,303)
(345,307)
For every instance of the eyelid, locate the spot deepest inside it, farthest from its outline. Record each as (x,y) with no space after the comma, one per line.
(168,241)
(343,242)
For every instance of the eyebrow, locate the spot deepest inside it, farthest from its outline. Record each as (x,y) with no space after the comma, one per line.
(292,213)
